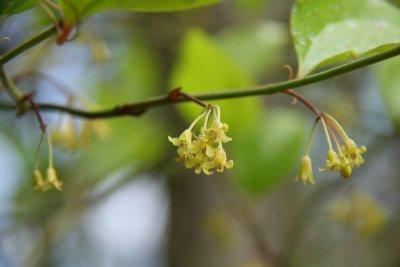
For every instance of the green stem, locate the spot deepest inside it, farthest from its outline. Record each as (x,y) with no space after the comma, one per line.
(337,126)
(328,140)
(50,150)
(310,137)
(10,87)
(31,42)
(196,121)
(207,117)
(137,108)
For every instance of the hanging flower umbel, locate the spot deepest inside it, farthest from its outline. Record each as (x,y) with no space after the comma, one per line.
(344,159)
(202,149)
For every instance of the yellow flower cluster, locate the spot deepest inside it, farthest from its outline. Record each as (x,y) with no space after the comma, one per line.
(347,157)
(203,150)
(349,154)
(359,212)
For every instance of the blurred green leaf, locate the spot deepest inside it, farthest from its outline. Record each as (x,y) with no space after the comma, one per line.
(10,7)
(256,48)
(267,152)
(204,67)
(388,74)
(328,31)
(129,141)
(252,6)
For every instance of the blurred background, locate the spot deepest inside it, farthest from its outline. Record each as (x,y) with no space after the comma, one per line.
(126,202)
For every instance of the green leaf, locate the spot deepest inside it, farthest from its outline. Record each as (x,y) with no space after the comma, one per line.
(388,74)
(83,8)
(8,8)
(95,6)
(328,31)
(267,153)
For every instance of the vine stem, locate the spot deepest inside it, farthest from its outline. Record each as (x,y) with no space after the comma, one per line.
(138,108)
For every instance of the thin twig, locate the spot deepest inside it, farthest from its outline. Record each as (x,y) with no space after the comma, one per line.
(36,109)
(192,98)
(305,101)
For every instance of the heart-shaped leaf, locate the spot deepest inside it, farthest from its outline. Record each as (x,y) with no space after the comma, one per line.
(328,31)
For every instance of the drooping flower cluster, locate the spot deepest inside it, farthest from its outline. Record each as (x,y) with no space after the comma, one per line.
(52,180)
(344,160)
(202,149)
(349,155)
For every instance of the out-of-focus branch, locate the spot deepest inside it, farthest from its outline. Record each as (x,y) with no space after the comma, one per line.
(29,43)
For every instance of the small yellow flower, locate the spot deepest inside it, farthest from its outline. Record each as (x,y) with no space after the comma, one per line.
(305,173)
(333,162)
(53,179)
(205,167)
(40,183)
(199,145)
(353,153)
(219,159)
(182,142)
(217,132)
(184,139)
